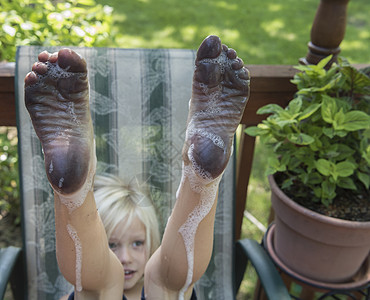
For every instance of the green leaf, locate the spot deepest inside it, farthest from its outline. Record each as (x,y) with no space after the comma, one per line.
(317,192)
(303,68)
(328,109)
(285,160)
(283,122)
(344,152)
(356,120)
(295,106)
(274,165)
(331,151)
(341,133)
(300,139)
(364,178)
(287,183)
(314,178)
(269,109)
(327,192)
(324,166)
(345,168)
(366,154)
(253,131)
(311,109)
(317,144)
(326,88)
(346,183)
(86,2)
(357,79)
(329,132)
(322,63)
(339,119)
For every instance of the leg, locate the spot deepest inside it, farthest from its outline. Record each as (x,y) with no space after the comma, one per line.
(56,96)
(220,92)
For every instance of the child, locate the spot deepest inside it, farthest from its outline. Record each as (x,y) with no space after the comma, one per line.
(56,96)
(131,225)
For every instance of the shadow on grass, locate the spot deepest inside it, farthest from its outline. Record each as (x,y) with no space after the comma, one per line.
(263,32)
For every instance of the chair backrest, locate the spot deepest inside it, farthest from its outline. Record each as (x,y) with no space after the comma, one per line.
(139,104)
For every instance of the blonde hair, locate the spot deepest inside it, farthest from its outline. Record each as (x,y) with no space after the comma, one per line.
(117,201)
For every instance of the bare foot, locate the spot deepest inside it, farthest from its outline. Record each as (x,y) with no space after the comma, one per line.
(57,99)
(220,93)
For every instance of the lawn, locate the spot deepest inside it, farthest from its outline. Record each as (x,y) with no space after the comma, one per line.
(262,32)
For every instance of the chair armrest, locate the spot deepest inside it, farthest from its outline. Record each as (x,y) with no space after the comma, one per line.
(8,260)
(250,250)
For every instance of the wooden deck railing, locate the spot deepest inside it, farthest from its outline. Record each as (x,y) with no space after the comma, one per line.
(7,95)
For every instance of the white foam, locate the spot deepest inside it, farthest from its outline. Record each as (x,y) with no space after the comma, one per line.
(55,71)
(192,130)
(72,113)
(221,60)
(78,247)
(216,139)
(197,168)
(207,188)
(60,184)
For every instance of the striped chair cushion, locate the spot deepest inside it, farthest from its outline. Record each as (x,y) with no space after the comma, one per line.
(139,104)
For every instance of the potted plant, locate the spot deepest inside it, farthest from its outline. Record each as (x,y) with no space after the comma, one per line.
(319,171)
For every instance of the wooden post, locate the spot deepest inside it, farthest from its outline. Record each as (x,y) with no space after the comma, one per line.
(269,84)
(7,94)
(327,31)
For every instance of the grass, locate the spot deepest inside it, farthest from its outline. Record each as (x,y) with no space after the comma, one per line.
(258,205)
(263,32)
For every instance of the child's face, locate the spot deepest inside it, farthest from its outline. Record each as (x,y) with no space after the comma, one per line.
(131,249)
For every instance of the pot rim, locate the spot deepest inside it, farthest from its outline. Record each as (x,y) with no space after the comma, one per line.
(312,214)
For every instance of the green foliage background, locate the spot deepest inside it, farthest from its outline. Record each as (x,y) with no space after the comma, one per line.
(53,23)
(42,22)
(9,192)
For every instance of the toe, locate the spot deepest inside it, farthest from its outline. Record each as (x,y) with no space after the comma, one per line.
(237,64)
(244,74)
(31,78)
(208,73)
(210,48)
(53,57)
(40,68)
(231,53)
(44,56)
(68,59)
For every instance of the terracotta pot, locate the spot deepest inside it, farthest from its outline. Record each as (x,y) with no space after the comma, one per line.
(318,247)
